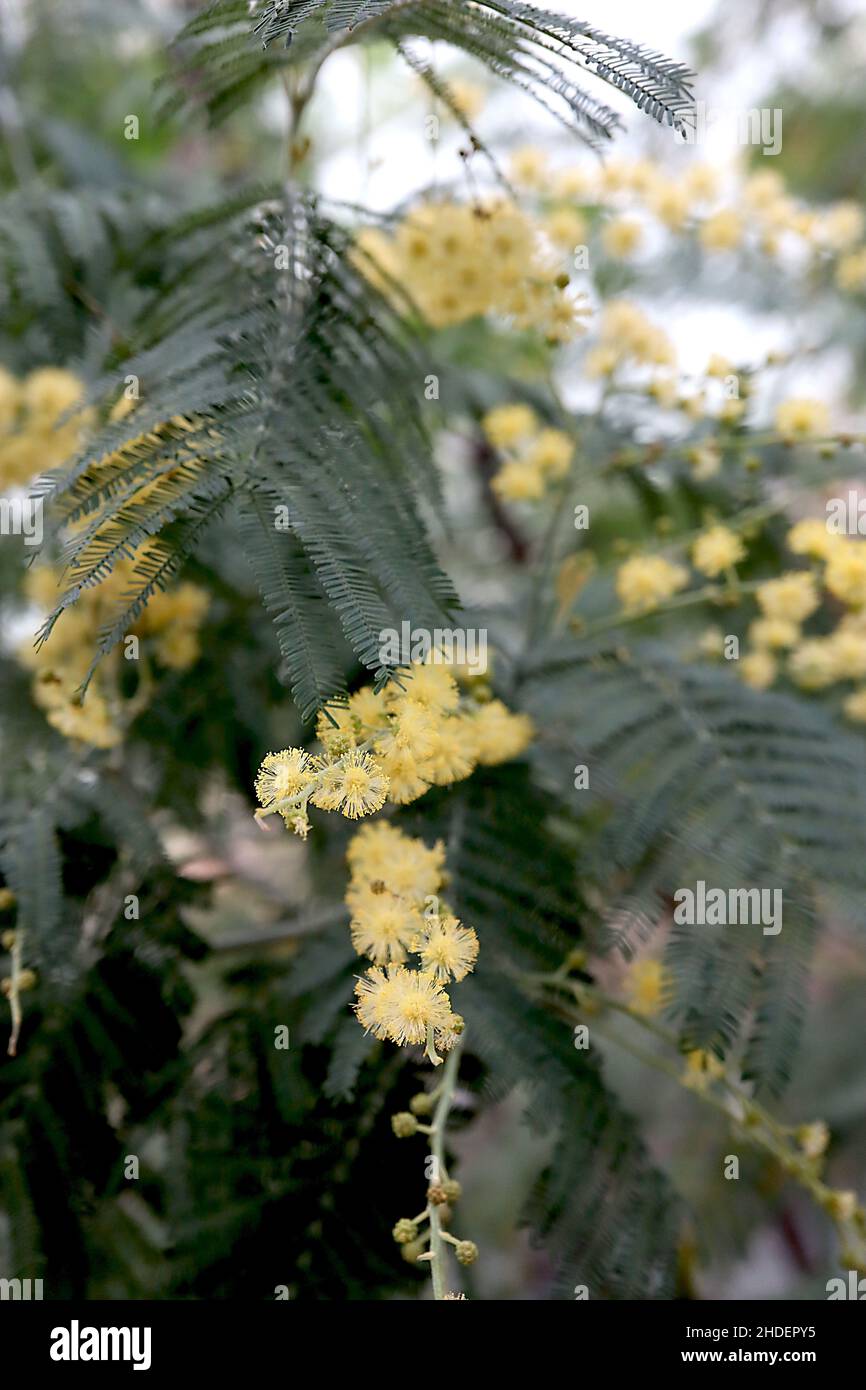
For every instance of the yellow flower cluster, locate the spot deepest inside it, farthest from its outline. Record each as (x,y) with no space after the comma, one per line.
(534,456)
(645,581)
(171,620)
(459,261)
(646,987)
(35,434)
(392,746)
(813,663)
(628,337)
(396,913)
(802,418)
(636,198)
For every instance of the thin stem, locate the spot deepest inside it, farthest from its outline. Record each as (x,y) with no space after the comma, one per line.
(437,1130)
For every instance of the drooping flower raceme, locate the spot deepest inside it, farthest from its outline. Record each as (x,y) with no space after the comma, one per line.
(396,915)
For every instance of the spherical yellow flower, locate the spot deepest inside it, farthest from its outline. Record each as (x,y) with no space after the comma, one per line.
(566,228)
(723,231)
(381,853)
(407,779)
(841,226)
(811,537)
(701,182)
(433,686)
(812,665)
(499,734)
(758,669)
(447,949)
(845,575)
(414,1004)
(792,597)
(384,927)
(773,633)
(717,550)
(49,392)
(848,646)
(365,785)
(415,726)
(369,708)
(455,754)
(550,453)
(508,425)
(621,237)
(645,581)
(518,480)
(801,418)
(670,202)
(528,166)
(283,776)
(374,993)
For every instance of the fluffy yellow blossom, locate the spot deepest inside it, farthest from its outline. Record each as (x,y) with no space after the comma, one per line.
(627,330)
(811,538)
(841,227)
(169,624)
(528,166)
(773,633)
(508,425)
(566,228)
(447,950)
(384,926)
(621,237)
(645,987)
(717,550)
(701,182)
(670,202)
(283,777)
(365,785)
(723,231)
(500,735)
(812,665)
(758,669)
(801,418)
(550,453)
(645,581)
(379,852)
(519,481)
(845,575)
(848,646)
(792,597)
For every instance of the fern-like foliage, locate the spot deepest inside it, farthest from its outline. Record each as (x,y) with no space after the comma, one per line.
(695,776)
(539,51)
(273,378)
